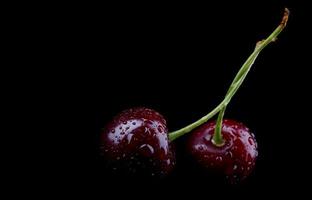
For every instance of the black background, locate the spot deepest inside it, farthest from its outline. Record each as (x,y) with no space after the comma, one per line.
(178,59)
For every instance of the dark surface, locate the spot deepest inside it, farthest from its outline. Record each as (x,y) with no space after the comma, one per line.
(179,60)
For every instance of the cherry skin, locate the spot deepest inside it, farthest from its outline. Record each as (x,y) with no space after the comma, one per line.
(136,142)
(234,160)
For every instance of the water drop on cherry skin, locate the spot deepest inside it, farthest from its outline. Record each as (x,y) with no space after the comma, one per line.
(234,160)
(142,144)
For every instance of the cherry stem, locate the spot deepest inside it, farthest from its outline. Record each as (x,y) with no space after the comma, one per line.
(237,82)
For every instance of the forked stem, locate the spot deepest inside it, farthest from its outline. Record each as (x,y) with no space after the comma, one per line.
(237,82)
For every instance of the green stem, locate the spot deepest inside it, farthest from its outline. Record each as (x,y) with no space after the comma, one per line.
(217,138)
(239,78)
(237,82)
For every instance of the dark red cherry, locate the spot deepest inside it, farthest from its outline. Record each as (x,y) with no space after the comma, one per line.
(234,160)
(136,142)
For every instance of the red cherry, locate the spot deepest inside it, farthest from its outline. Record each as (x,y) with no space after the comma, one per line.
(234,160)
(136,142)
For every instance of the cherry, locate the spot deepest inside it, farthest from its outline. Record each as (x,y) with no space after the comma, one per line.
(227,147)
(137,139)
(234,160)
(136,142)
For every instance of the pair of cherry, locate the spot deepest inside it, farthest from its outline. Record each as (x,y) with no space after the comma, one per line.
(137,140)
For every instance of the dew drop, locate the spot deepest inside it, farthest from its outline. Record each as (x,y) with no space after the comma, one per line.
(120,127)
(131,157)
(153,174)
(133,123)
(234,167)
(148,149)
(146,130)
(106,150)
(113,130)
(159,129)
(123,155)
(229,154)
(207,137)
(219,158)
(124,122)
(250,140)
(118,158)
(127,128)
(129,138)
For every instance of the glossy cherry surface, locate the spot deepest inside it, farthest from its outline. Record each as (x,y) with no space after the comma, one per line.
(136,142)
(234,160)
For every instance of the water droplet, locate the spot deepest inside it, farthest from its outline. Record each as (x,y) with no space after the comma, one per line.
(113,130)
(120,127)
(129,138)
(124,122)
(146,130)
(219,158)
(127,128)
(229,154)
(106,150)
(248,168)
(123,155)
(234,167)
(148,149)
(153,174)
(118,158)
(250,140)
(168,162)
(122,133)
(207,138)
(200,148)
(249,163)
(131,157)
(133,123)
(160,129)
